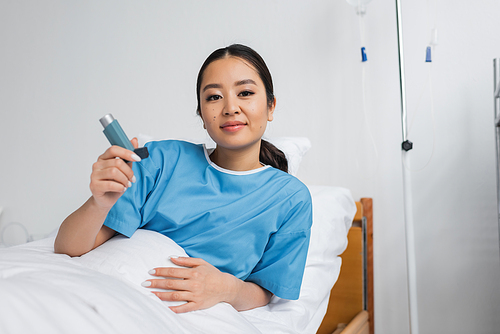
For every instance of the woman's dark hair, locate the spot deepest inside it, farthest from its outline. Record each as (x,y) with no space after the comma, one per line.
(269,154)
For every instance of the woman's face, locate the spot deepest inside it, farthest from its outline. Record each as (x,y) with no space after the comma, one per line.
(233,104)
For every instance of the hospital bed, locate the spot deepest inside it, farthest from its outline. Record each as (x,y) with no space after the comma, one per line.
(101,292)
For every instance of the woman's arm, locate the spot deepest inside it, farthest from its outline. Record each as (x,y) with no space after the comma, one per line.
(83,230)
(202,286)
(249,295)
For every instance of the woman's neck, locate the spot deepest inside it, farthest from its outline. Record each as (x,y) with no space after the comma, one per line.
(236,160)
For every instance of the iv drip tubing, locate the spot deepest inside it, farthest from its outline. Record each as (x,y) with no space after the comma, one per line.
(363,107)
(365,124)
(428,83)
(408,205)
(433,120)
(361,29)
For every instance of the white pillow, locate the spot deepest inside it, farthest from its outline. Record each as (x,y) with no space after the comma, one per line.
(294,147)
(130,259)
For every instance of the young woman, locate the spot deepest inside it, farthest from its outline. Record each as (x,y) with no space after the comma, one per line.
(244,222)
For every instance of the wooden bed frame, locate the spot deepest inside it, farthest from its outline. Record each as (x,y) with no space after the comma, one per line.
(350,309)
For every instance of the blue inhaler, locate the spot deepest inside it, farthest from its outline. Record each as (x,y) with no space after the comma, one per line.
(116,136)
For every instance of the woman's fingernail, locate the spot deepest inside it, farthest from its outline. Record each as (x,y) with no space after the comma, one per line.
(129,184)
(152,272)
(146,283)
(134,179)
(173,257)
(135,157)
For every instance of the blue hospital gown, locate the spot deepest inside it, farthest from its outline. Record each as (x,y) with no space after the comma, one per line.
(254,224)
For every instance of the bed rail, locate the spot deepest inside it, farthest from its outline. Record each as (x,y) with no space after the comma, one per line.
(351,307)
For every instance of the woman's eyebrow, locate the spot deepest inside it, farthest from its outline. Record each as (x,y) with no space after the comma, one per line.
(214,85)
(237,83)
(245,82)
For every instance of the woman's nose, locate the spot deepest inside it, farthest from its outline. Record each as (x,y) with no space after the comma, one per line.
(231,107)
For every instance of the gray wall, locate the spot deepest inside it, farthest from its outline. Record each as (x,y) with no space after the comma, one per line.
(64,64)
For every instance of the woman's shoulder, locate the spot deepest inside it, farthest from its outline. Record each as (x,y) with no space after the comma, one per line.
(175,144)
(160,148)
(289,184)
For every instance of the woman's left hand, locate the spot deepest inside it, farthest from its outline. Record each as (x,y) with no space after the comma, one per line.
(200,284)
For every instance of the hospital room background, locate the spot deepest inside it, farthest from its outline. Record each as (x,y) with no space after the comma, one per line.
(65,64)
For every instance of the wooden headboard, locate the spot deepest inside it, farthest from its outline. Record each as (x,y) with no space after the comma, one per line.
(350,309)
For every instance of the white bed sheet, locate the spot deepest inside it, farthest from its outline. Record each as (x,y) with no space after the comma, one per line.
(43,292)
(100,292)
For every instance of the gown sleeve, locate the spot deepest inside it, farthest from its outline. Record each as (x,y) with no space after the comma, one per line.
(126,216)
(281,268)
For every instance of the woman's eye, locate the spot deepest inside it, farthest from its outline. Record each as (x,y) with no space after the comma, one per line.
(213,97)
(246,93)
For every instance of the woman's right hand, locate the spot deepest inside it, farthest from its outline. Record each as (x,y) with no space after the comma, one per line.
(111,176)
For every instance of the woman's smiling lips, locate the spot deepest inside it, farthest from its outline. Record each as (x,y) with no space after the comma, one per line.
(233,126)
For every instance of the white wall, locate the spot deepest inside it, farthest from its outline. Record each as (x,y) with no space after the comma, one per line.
(65,64)
(455,196)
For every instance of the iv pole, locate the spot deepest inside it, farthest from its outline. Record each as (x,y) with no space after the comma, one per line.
(408,209)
